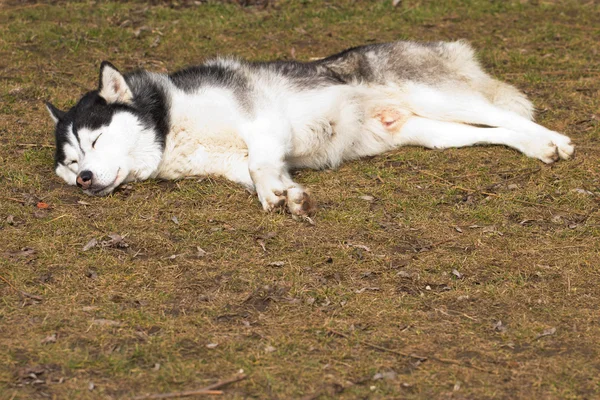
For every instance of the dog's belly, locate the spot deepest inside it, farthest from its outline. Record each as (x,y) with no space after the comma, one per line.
(363,125)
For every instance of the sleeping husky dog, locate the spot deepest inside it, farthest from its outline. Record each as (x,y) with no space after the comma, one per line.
(252,122)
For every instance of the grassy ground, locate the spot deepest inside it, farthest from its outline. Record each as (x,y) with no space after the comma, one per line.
(480,263)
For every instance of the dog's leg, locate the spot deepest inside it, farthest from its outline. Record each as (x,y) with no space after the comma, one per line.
(236,169)
(474,109)
(269,172)
(441,135)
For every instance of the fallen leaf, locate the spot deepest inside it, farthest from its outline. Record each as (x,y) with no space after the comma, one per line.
(212,345)
(373,289)
(547,332)
(175,220)
(278,264)
(106,322)
(582,191)
(270,349)
(91,274)
(42,205)
(90,244)
(139,31)
(49,339)
(457,274)
(404,274)
(499,327)
(24,252)
(359,246)
(387,375)
(367,198)
(492,229)
(116,241)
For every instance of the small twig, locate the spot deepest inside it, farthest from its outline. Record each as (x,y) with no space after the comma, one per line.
(21,292)
(9,284)
(414,356)
(181,394)
(208,390)
(59,217)
(13,199)
(467,365)
(529,172)
(547,332)
(447,313)
(50,146)
(503,172)
(432,245)
(377,347)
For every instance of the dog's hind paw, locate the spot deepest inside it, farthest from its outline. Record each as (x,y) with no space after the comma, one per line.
(564,148)
(550,147)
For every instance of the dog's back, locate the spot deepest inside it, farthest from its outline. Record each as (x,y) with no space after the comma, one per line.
(443,65)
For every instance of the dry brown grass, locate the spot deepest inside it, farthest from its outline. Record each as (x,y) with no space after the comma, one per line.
(442,283)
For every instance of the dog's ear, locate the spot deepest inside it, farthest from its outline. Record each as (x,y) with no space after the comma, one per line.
(55,113)
(112,86)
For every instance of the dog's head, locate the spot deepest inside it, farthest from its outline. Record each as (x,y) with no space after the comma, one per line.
(105,139)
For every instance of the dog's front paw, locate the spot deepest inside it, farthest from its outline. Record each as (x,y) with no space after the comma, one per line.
(300,203)
(272,199)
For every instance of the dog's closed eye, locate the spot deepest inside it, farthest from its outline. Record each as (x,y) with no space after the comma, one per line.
(95,140)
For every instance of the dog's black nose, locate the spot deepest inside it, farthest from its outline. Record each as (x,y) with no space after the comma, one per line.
(84,179)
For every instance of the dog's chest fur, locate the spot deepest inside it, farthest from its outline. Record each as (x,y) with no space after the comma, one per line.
(204,133)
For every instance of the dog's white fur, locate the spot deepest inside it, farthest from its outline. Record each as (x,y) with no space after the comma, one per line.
(212,134)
